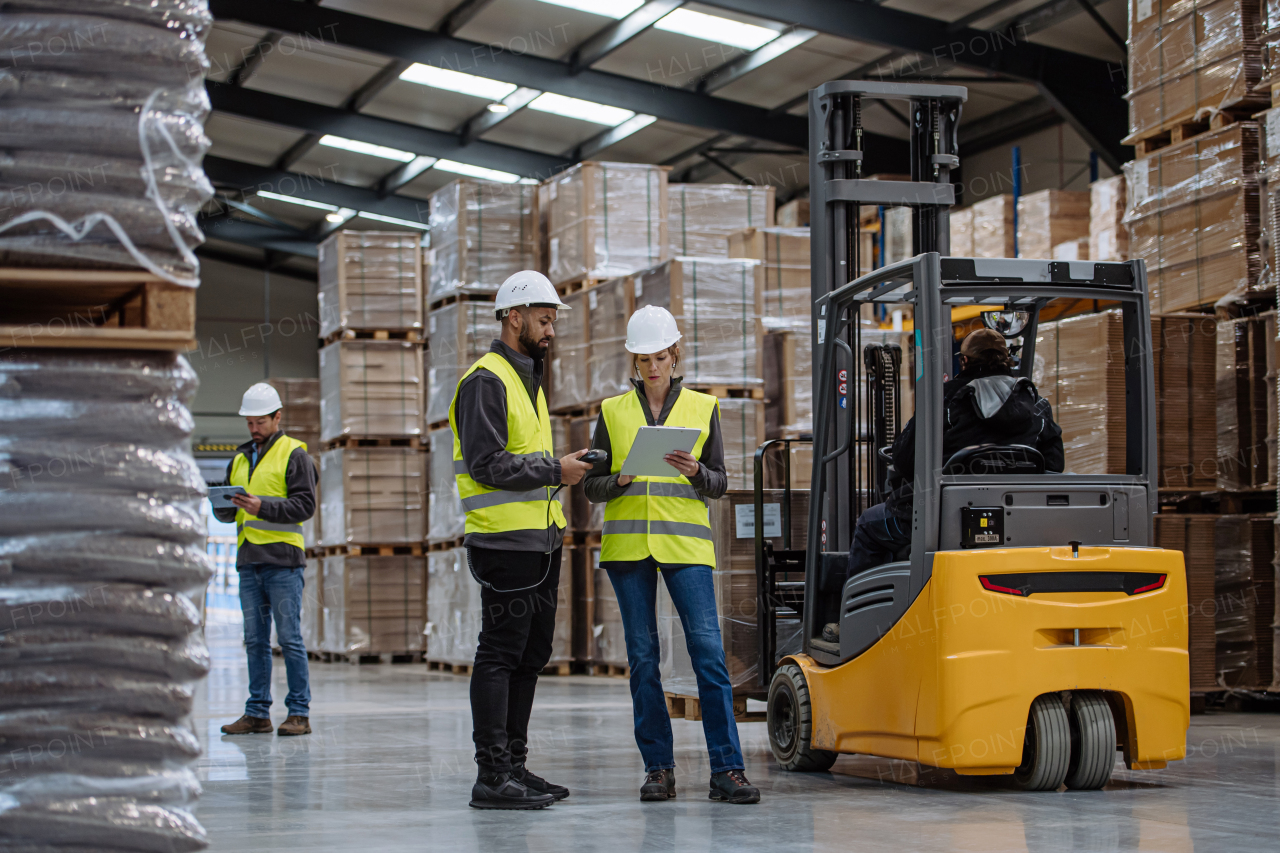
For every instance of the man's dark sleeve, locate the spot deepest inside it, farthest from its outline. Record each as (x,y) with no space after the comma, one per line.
(599,484)
(300,483)
(226,514)
(1049,442)
(904,451)
(711,481)
(481,415)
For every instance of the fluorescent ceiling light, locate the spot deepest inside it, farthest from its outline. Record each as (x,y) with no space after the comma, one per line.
(549,102)
(340,215)
(499,108)
(629,127)
(608,8)
(717,29)
(378,217)
(288,199)
(476,171)
(456,81)
(331,141)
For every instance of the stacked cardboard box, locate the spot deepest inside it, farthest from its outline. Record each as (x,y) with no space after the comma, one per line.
(606,220)
(1194,217)
(372,495)
(1083,379)
(610,639)
(609,307)
(370,389)
(1246,391)
(459,334)
(1185,347)
(961,233)
(1189,58)
(445,518)
(993,232)
(570,356)
(1050,217)
(1108,235)
(301,415)
(1245,600)
(481,233)
(786,291)
(584,516)
(1072,250)
(742,428)
(374,604)
(453,609)
(793,214)
(701,217)
(370,280)
(1195,537)
(313,604)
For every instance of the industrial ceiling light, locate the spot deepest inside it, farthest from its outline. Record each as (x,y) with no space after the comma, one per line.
(331,141)
(549,102)
(456,81)
(378,217)
(476,171)
(339,216)
(498,108)
(302,202)
(608,8)
(714,28)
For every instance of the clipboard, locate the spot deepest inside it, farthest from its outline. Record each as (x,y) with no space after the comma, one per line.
(651,444)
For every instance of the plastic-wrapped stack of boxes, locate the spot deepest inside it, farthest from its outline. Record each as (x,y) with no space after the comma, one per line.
(1108,236)
(481,233)
(1050,218)
(371,281)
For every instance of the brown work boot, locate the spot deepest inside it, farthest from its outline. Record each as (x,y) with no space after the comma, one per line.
(247,725)
(295,725)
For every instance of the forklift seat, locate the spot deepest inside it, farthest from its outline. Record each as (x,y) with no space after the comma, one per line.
(995,459)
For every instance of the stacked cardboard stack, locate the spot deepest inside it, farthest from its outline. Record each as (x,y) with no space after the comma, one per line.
(370,280)
(445,518)
(1108,235)
(1244,600)
(702,217)
(372,495)
(584,516)
(301,417)
(453,609)
(793,214)
(570,356)
(370,389)
(1193,215)
(1194,536)
(481,233)
(1049,218)
(1083,379)
(609,307)
(374,604)
(459,334)
(1072,250)
(606,220)
(1184,348)
(785,287)
(312,604)
(610,641)
(961,233)
(742,428)
(1246,389)
(993,233)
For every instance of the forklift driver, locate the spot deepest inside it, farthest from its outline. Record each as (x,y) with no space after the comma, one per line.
(984,404)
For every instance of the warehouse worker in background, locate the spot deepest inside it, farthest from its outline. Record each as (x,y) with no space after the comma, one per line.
(280,480)
(661,525)
(507,477)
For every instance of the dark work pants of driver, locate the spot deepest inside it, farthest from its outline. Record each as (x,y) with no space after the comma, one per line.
(516,631)
(877,537)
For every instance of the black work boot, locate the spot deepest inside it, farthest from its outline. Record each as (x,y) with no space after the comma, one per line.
(659,785)
(500,791)
(831,632)
(536,783)
(733,787)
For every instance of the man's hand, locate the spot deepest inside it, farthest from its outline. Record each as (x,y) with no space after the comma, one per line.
(571,470)
(248,503)
(624,480)
(682,462)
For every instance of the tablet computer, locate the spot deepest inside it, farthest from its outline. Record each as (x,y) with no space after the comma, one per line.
(220,496)
(654,442)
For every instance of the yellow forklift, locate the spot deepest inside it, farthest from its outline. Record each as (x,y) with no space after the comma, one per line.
(1031,628)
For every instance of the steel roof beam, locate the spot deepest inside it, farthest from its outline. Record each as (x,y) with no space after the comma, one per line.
(621,31)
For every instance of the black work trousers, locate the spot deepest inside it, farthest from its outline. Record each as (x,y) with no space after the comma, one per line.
(516,630)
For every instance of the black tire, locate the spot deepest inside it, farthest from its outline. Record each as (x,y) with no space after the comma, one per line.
(1046,750)
(1093,741)
(791,724)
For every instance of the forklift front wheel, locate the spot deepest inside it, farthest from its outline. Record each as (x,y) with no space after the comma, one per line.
(791,723)
(1046,750)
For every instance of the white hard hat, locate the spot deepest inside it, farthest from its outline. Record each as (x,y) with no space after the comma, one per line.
(260,399)
(527,287)
(651,329)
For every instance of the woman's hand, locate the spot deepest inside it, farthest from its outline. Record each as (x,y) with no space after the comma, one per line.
(624,480)
(683,462)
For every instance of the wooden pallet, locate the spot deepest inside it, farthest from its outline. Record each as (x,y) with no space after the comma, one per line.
(347,442)
(357,658)
(454,298)
(445,545)
(590,410)
(690,708)
(101,309)
(412,549)
(730,392)
(556,669)
(609,670)
(575,285)
(432,427)
(1180,130)
(455,668)
(412,335)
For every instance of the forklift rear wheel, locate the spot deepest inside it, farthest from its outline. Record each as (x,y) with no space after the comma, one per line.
(1093,741)
(791,723)
(1046,750)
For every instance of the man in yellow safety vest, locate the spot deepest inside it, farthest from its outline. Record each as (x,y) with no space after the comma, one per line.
(507,478)
(279,479)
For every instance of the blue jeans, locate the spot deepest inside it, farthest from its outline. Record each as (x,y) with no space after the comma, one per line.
(694,597)
(268,592)
(877,538)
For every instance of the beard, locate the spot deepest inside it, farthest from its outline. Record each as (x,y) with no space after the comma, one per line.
(532,344)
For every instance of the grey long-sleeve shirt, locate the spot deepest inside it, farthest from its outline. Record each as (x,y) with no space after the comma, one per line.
(711,481)
(481,415)
(296,507)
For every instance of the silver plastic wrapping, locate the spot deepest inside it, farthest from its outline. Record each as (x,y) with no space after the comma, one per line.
(374,605)
(783,254)
(453,608)
(102,134)
(1244,600)
(370,280)
(606,220)
(101,549)
(570,356)
(446,520)
(481,233)
(459,334)
(372,496)
(313,603)
(701,217)
(371,389)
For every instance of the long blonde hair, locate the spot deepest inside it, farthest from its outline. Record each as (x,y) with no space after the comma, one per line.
(674,349)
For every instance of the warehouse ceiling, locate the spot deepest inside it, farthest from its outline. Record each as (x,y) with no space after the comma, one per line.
(350,113)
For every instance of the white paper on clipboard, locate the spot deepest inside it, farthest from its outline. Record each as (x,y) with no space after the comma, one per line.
(651,444)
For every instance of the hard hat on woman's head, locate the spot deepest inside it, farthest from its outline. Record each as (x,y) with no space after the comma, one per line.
(527,288)
(651,329)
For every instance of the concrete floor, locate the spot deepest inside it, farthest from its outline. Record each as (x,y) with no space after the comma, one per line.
(389,768)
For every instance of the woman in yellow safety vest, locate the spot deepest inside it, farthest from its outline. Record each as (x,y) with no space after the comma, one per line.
(660,524)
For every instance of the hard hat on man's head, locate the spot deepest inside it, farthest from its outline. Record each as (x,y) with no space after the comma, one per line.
(651,329)
(527,288)
(259,400)
(983,340)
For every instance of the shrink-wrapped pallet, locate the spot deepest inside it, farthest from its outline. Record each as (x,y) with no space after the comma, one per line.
(459,334)
(793,214)
(606,220)
(445,518)
(610,636)
(481,233)
(300,416)
(788,384)
(370,280)
(609,369)
(1184,349)
(962,233)
(1194,217)
(584,516)
(1049,217)
(370,389)
(1195,537)
(569,356)
(374,605)
(453,609)
(1071,250)
(1108,235)
(701,217)
(783,253)
(1080,372)
(742,428)
(103,135)
(993,233)
(1244,600)
(312,619)
(717,305)
(372,495)
(102,545)
(1246,402)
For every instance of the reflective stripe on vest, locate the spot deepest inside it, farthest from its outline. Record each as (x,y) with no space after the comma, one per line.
(660,517)
(266,481)
(492,510)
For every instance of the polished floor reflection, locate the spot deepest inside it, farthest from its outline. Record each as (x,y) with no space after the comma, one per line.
(389,768)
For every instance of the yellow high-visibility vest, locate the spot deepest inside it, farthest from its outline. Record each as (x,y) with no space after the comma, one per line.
(268,480)
(492,510)
(660,517)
